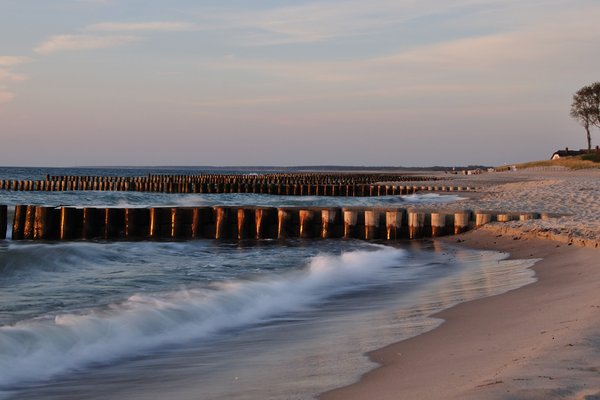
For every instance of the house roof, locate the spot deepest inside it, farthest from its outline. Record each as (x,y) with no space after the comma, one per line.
(568,153)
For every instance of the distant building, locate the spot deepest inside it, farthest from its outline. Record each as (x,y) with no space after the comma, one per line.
(567,153)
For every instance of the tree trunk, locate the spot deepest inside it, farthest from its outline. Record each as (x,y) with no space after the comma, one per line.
(589,138)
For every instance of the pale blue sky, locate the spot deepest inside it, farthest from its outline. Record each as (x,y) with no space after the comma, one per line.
(379,82)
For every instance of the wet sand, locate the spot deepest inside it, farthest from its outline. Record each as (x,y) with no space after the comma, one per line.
(541,341)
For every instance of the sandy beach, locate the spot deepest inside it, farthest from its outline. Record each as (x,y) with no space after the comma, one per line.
(541,341)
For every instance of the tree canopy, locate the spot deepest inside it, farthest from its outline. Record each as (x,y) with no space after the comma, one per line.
(585,108)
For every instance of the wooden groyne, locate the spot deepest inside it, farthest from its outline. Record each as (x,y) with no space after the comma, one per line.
(363,185)
(239,223)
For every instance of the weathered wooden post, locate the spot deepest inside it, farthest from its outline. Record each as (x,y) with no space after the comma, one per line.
(504,217)
(71,223)
(393,223)
(328,219)
(114,222)
(461,222)
(527,216)
(438,224)
(3,221)
(46,223)
(307,223)
(350,223)
(246,220)
(137,222)
(482,218)
(202,222)
(93,220)
(416,223)
(285,223)
(28,231)
(221,222)
(156,217)
(265,223)
(372,218)
(19,222)
(182,223)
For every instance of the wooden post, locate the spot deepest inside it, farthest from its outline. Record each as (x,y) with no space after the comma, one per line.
(28,231)
(416,222)
(307,223)
(46,223)
(71,223)
(221,222)
(482,218)
(202,221)
(182,223)
(114,223)
(137,222)
(393,223)
(154,229)
(372,218)
(503,217)
(461,222)
(438,224)
(328,218)
(285,223)
(350,223)
(265,223)
(246,220)
(527,216)
(19,222)
(93,219)
(3,221)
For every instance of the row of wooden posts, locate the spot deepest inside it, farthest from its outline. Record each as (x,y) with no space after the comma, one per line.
(354,190)
(237,223)
(316,184)
(315,178)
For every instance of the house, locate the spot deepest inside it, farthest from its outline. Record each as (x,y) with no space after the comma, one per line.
(567,153)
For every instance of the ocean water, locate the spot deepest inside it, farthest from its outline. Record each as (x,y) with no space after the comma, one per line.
(219,320)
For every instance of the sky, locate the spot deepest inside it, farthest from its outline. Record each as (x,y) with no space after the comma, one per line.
(265,82)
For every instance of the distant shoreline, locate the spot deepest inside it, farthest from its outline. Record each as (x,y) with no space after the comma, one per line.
(319,168)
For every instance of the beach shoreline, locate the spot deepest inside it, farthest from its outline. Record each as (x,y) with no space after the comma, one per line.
(541,341)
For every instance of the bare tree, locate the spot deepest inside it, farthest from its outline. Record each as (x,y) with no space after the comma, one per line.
(586,108)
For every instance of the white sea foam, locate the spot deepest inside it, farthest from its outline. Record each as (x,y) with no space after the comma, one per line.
(38,349)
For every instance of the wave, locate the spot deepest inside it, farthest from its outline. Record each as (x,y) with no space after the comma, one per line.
(38,349)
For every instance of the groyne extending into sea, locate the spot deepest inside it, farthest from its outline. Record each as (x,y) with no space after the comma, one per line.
(299,184)
(34,222)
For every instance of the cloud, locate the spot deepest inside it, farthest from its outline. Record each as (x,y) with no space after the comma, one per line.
(175,26)
(327,20)
(521,68)
(11,61)
(101,40)
(8,76)
(79,42)
(6,96)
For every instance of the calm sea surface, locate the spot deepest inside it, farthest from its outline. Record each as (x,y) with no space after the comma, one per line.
(217,320)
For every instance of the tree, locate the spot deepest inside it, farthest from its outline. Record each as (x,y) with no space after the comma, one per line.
(586,108)
(595,90)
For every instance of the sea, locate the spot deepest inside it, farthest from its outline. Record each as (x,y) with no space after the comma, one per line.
(209,319)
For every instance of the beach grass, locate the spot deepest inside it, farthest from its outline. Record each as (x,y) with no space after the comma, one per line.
(586,161)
